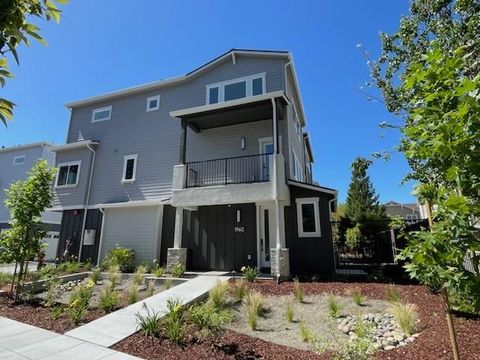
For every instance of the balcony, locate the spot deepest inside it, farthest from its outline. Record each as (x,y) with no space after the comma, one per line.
(232,170)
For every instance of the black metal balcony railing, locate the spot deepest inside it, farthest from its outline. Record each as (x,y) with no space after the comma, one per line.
(233,170)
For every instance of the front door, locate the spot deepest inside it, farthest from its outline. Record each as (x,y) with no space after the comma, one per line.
(267,234)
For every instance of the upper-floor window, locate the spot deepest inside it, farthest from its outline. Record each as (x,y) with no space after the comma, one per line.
(19,160)
(129,168)
(153,103)
(102,114)
(308,217)
(68,174)
(236,88)
(411,217)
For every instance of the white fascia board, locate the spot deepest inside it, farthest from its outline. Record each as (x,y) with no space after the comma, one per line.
(25,146)
(170,81)
(138,203)
(226,104)
(73,145)
(297,89)
(313,187)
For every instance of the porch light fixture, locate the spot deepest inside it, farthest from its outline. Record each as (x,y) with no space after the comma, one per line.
(243,143)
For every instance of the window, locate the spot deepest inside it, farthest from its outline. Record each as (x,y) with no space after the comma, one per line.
(236,88)
(153,103)
(129,168)
(19,160)
(68,174)
(411,217)
(102,114)
(308,220)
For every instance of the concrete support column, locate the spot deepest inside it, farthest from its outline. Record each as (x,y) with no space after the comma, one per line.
(177,254)
(280,263)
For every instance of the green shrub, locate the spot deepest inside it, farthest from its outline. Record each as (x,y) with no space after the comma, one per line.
(392,294)
(289,312)
(363,329)
(150,288)
(57,311)
(240,289)
(178,271)
(173,321)
(52,292)
(96,275)
(250,273)
(207,317)
(298,291)
(121,257)
(357,296)
(77,313)
(305,333)
(149,323)
(255,306)
(334,306)
(86,266)
(132,296)
(139,274)
(218,295)
(80,296)
(158,271)
(5,278)
(406,316)
(48,271)
(114,276)
(70,267)
(354,237)
(168,284)
(109,300)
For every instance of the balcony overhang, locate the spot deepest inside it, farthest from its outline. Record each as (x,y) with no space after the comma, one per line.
(232,112)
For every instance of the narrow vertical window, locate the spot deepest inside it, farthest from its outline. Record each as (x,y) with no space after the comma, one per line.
(129,168)
(213,95)
(308,217)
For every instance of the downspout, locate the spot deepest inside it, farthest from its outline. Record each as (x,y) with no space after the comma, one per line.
(87,199)
(101,235)
(275,187)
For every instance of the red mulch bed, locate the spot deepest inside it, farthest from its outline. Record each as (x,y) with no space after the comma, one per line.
(37,315)
(433,343)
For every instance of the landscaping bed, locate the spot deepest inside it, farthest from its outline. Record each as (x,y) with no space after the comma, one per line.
(237,341)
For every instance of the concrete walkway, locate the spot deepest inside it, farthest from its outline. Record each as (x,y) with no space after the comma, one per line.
(10,268)
(19,341)
(112,328)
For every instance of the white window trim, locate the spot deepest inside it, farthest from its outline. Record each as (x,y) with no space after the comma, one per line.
(314,201)
(125,159)
(79,163)
(156,97)
(19,157)
(249,86)
(109,108)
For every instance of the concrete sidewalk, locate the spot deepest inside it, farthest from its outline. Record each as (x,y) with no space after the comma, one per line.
(19,341)
(112,328)
(10,268)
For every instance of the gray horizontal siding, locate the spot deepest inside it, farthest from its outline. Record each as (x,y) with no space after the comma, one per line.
(154,136)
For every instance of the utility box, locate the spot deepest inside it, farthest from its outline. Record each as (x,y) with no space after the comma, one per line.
(89,237)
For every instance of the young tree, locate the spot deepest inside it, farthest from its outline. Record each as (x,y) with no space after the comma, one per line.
(15,29)
(26,201)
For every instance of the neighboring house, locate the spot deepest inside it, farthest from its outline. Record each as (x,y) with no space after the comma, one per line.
(15,163)
(410,212)
(211,169)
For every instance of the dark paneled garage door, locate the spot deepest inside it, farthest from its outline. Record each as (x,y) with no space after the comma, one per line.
(221,237)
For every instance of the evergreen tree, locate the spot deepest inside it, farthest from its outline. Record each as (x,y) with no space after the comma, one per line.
(362,202)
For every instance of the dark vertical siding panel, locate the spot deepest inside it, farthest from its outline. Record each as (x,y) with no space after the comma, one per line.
(168,228)
(94,221)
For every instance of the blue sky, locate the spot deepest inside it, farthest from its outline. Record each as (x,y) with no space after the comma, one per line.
(101,46)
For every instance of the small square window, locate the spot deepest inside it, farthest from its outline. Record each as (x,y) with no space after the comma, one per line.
(308,218)
(102,114)
(68,174)
(19,160)
(257,86)
(153,103)
(129,168)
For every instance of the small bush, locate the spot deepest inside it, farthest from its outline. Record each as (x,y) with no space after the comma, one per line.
(298,291)
(167,284)
(392,294)
(363,329)
(108,300)
(149,323)
(48,272)
(289,312)
(132,296)
(357,296)
(334,306)
(121,257)
(150,288)
(81,295)
(52,292)
(158,271)
(77,313)
(71,267)
(217,296)
(178,271)
(305,333)
(255,307)
(5,278)
(56,312)
(240,289)
(250,273)
(96,275)
(173,321)
(139,274)
(114,276)
(406,316)
(354,237)
(207,317)
(86,266)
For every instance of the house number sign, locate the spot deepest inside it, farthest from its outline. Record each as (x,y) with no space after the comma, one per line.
(239,229)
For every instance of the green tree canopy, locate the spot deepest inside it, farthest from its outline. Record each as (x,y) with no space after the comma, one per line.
(15,29)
